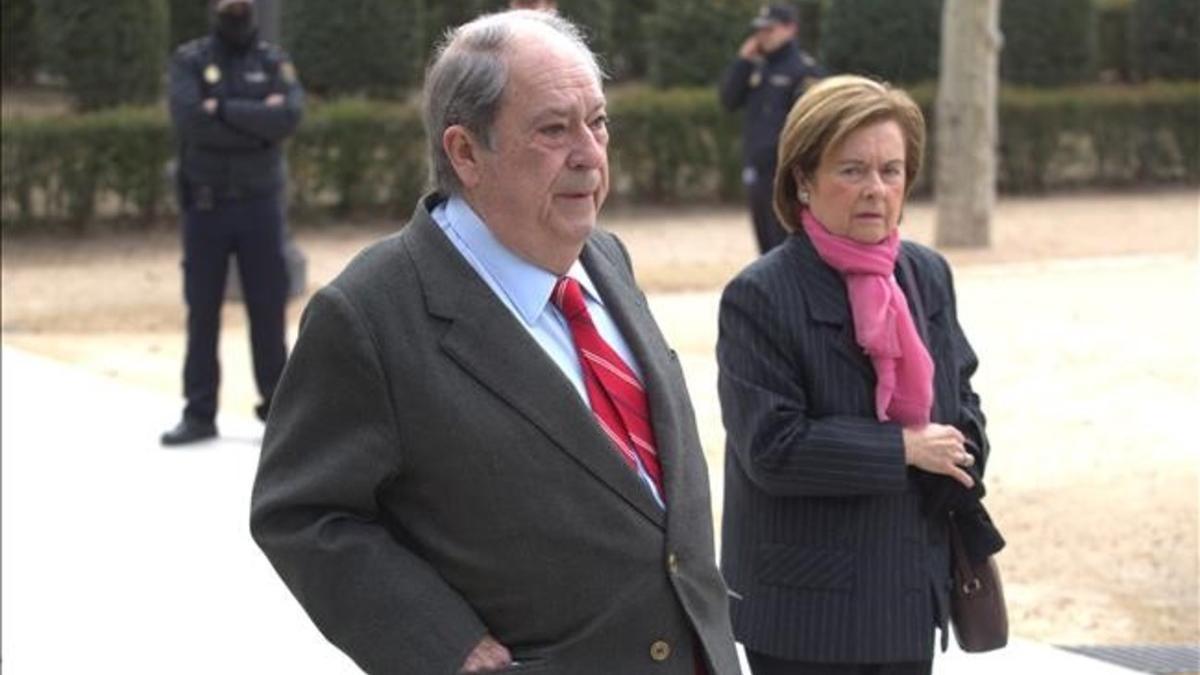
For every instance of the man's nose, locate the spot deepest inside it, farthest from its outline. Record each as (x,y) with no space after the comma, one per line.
(589,150)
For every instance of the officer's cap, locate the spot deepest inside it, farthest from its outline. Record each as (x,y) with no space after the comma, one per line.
(222,5)
(773,14)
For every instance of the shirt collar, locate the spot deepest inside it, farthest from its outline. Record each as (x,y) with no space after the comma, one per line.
(527,286)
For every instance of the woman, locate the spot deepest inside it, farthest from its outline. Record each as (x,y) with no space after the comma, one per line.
(851,438)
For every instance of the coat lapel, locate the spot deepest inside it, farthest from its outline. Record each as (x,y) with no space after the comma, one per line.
(665,393)
(489,343)
(827,302)
(932,303)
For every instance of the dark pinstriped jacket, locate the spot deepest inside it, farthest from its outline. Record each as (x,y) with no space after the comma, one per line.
(829,546)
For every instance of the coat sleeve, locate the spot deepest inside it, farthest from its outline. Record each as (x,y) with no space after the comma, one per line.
(331,445)
(782,446)
(193,124)
(272,124)
(971,421)
(735,84)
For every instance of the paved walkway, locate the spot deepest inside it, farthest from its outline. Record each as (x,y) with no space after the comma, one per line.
(122,556)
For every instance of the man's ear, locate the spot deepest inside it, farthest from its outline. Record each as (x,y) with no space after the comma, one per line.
(463,150)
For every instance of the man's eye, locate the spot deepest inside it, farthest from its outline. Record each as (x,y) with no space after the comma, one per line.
(600,122)
(554,129)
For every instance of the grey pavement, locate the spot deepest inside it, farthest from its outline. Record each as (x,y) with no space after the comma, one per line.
(122,556)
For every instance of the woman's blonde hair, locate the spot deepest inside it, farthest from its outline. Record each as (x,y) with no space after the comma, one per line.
(829,112)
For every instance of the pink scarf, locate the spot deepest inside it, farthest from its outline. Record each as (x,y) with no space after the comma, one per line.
(883,325)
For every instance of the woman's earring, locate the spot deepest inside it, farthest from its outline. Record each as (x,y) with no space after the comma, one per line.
(803,196)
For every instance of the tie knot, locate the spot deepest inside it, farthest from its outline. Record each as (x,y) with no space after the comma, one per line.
(568,298)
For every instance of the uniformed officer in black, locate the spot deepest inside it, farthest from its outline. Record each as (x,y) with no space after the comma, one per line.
(234,99)
(770,73)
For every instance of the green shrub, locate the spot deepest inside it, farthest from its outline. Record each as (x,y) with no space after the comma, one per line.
(628,57)
(1113,48)
(443,15)
(358,157)
(1166,36)
(356,46)
(1099,136)
(189,19)
(673,145)
(893,41)
(63,168)
(111,52)
(18,35)
(596,21)
(691,41)
(1048,44)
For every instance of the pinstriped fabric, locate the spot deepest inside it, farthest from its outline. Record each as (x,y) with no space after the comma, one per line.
(824,539)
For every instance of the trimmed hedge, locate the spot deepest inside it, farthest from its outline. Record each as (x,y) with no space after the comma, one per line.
(111,52)
(1099,136)
(357,157)
(60,168)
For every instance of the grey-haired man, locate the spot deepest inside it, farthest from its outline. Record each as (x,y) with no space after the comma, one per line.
(482,456)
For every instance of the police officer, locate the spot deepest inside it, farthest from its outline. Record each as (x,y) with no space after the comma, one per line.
(767,77)
(234,99)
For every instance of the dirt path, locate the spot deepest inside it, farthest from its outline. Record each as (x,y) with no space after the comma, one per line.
(1084,313)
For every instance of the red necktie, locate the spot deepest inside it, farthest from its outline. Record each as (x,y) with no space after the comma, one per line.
(614,392)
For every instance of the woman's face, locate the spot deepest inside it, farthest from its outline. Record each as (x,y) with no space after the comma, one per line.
(858,189)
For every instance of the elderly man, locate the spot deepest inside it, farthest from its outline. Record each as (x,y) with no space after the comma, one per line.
(482,455)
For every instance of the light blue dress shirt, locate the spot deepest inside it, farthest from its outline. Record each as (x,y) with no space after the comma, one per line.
(525,290)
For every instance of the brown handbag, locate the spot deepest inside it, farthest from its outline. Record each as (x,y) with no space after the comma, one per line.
(977,609)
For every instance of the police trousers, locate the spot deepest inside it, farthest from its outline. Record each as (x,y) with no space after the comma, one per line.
(250,229)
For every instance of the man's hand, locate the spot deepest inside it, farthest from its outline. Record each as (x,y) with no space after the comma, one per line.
(487,656)
(938,448)
(750,49)
(274,100)
(210,106)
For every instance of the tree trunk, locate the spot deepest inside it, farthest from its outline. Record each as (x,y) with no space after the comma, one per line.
(966,122)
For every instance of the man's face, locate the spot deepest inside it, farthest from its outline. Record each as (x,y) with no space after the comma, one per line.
(775,35)
(540,186)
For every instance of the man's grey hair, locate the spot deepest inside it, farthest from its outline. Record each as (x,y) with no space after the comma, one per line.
(466,81)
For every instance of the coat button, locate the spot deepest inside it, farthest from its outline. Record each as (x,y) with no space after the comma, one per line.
(672,563)
(660,650)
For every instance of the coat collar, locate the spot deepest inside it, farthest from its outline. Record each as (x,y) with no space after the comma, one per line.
(827,301)
(488,342)
(825,290)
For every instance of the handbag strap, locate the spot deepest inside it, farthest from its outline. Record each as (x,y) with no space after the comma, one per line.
(968,582)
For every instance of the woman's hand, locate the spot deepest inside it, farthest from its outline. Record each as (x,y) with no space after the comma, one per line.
(938,448)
